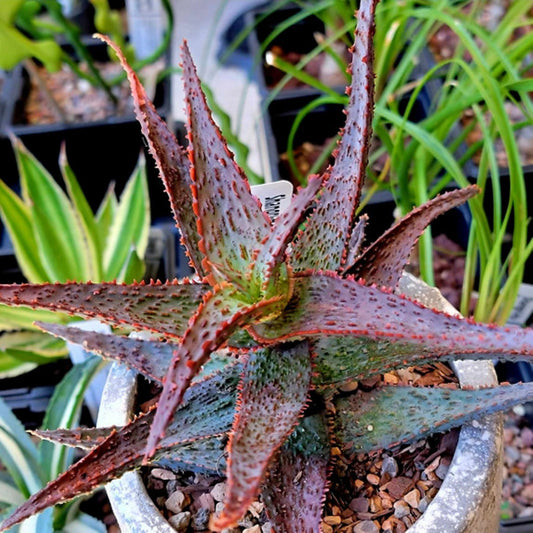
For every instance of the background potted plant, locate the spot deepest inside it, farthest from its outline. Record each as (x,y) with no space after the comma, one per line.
(44,43)
(53,235)
(461,107)
(417,154)
(28,466)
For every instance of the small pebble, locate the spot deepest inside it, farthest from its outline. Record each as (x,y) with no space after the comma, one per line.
(423,504)
(442,470)
(366,526)
(200,520)
(401,509)
(375,504)
(325,528)
(161,473)
(256,508)
(527,492)
(180,522)
(389,466)
(373,479)
(176,502)
(359,505)
(332,520)
(512,453)
(524,513)
(219,492)
(413,498)
(246,522)
(350,386)
(206,501)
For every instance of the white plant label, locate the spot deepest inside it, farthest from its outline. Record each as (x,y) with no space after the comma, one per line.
(146,23)
(275,197)
(523,307)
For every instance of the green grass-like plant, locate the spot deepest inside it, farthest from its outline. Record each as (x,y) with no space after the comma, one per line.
(422,158)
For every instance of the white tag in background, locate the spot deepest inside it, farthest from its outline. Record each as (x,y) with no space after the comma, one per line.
(523,307)
(70,7)
(146,25)
(275,197)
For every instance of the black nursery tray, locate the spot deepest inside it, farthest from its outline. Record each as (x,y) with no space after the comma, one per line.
(28,395)
(517,525)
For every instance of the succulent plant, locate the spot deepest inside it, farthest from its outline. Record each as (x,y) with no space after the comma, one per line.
(299,307)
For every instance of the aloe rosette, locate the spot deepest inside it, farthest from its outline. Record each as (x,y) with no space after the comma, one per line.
(299,305)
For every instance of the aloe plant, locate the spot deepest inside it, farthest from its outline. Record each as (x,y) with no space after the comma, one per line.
(303,307)
(415,158)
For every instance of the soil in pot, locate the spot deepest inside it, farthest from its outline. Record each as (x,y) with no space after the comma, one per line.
(101,147)
(291,46)
(78,99)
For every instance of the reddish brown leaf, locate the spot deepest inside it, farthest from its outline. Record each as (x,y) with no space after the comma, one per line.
(390,415)
(274,391)
(171,160)
(322,245)
(149,358)
(230,220)
(274,250)
(326,304)
(356,242)
(84,438)
(297,479)
(382,263)
(159,307)
(215,320)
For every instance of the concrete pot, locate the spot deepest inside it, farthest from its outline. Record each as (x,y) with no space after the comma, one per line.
(468,500)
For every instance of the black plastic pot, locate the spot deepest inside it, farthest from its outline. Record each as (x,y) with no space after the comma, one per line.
(99,152)
(281,111)
(28,395)
(324,123)
(299,38)
(517,525)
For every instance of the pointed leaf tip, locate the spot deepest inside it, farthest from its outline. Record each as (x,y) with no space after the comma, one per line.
(322,246)
(383,261)
(274,392)
(231,222)
(394,415)
(114,303)
(171,159)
